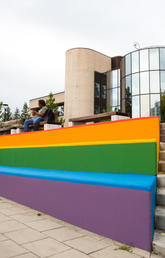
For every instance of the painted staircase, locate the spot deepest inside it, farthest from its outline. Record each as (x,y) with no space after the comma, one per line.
(159,234)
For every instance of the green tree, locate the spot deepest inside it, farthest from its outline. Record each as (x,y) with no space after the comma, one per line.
(1,104)
(50,103)
(16,114)
(61,121)
(7,114)
(25,113)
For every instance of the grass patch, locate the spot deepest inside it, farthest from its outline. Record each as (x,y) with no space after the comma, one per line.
(125,248)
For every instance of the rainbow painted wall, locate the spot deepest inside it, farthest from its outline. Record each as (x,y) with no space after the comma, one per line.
(101,177)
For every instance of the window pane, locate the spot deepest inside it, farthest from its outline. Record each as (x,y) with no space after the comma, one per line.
(128,106)
(144,82)
(61,110)
(103,91)
(145,105)
(162,58)
(97,90)
(135,84)
(154,59)
(155,105)
(114,97)
(162,98)
(128,64)
(128,83)
(118,96)
(154,82)
(135,106)
(135,62)
(115,109)
(162,81)
(114,79)
(144,60)
(118,77)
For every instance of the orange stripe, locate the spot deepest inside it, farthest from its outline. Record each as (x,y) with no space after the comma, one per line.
(132,129)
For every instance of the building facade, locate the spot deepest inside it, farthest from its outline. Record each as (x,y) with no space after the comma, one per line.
(95,83)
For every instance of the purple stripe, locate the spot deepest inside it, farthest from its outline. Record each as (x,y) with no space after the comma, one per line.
(124,215)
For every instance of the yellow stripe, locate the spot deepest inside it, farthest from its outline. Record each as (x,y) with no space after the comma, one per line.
(81,144)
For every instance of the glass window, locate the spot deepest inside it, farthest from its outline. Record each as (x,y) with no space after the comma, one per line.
(118,96)
(97,90)
(162,58)
(135,84)
(154,59)
(162,99)
(155,105)
(144,60)
(145,111)
(114,97)
(100,100)
(128,64)
(135,62)
(114,79)
(61,110)
(162,81)
(128,83)
(115,109)
(118,77)
(128,106)
(135,106)
(97,106)
(154,82)
(144,82)
(103,91)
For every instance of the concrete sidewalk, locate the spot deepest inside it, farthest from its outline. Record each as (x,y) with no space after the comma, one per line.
(27,233)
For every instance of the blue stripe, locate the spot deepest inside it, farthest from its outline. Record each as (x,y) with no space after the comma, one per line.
(121,180)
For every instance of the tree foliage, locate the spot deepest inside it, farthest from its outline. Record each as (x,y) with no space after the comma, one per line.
(7,114)
(1,103)
(50,103)
(16,114)
(25,113)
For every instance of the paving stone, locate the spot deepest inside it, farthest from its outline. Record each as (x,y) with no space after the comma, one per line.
(86,244)
(5,205)
(105,240)
(2,237)
(46,247)
(113,252)
(9,249)
(2,199)
(63,234)
(25,235)
(70,225)
(13,210)
(4,217)
(141,252)
(27,217)
(155,256)
(70,254)
(54,219)
(10,225)
(90,234)
(28,255)
(43,225)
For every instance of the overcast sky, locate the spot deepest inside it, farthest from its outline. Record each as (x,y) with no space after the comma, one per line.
(35,34)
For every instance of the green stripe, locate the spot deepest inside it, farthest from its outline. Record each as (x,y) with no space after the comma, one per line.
(134,158)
